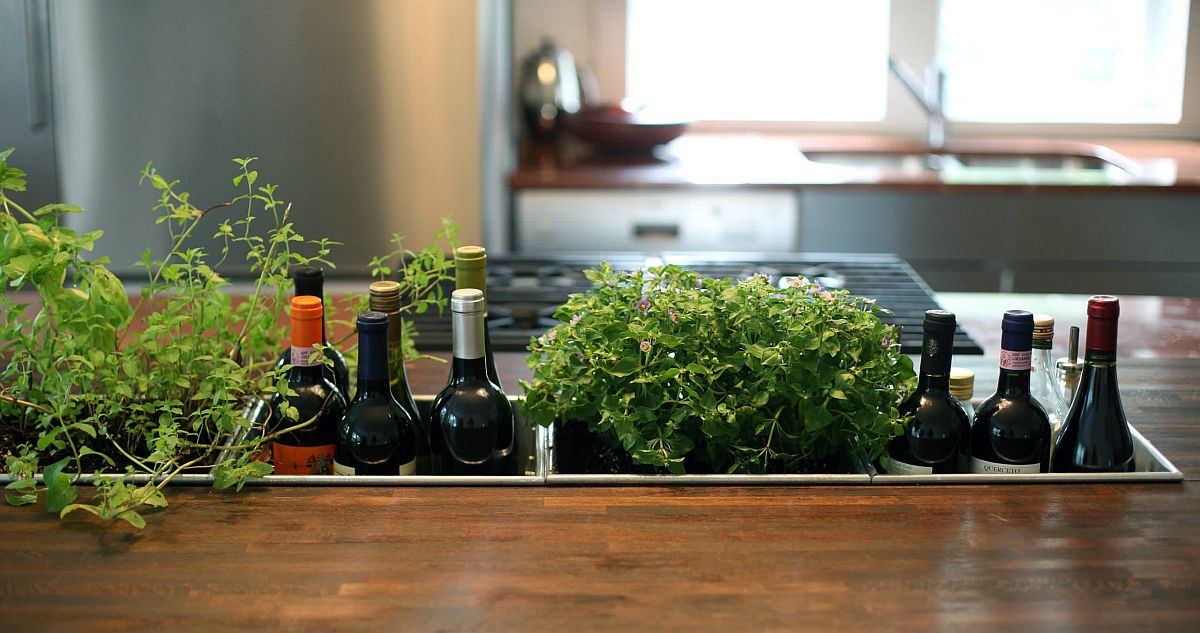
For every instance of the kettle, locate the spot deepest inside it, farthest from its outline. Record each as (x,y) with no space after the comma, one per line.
(550,90)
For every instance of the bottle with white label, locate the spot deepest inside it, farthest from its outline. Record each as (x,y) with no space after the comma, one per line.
(376,436)
(1011,434)
(308,413)
(938,439)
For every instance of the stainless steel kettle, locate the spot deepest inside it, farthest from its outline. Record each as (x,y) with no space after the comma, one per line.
(550,89)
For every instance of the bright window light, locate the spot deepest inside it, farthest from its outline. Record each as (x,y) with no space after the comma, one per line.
(1064,61)
(759,60)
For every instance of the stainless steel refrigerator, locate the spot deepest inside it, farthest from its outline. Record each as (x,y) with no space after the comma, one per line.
(311,87)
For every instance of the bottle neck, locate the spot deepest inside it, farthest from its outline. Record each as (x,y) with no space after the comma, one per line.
(1101,341)
(468,329)
(467,369)
(1016,359)
(937,351)
(372,361)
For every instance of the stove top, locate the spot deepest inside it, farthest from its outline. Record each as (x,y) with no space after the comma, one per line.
(524,290)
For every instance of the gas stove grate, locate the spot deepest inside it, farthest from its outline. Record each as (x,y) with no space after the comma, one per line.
(524,290)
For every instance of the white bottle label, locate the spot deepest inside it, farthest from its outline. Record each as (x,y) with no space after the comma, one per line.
(405,469)
(1016,361)
(980,466)
(897,467)
(303,356)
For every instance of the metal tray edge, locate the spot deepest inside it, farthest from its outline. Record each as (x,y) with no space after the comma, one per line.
(1167,473)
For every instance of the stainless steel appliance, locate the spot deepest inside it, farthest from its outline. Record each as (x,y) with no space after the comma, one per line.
(525,290)
(350,106)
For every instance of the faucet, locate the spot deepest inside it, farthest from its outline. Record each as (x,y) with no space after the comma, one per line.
(932,97)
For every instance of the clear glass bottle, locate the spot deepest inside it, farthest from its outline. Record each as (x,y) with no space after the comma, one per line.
(962,387)
(1069,370)
(1043,381)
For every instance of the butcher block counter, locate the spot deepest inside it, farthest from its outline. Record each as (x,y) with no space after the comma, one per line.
(1000,557)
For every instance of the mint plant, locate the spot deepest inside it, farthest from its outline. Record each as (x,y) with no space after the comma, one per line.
(681,371)
(93,384)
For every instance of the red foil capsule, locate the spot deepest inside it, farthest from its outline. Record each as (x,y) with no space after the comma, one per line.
(1103,311)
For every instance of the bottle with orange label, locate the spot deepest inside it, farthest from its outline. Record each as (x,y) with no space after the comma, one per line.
(311,415)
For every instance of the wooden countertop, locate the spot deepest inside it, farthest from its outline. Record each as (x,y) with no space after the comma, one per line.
(778,161)
(1007,557)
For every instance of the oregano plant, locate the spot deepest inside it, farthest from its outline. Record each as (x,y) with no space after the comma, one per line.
(682,372)
(96,385)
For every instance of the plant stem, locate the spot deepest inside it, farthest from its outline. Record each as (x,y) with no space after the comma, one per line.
(25,404)
(262,276)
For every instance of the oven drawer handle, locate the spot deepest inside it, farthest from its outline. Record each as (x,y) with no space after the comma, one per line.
(656,231)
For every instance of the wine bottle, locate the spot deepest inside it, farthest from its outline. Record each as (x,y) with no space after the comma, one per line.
(310,282)
(1011,434)
(1096,436)
(385,298)
(471,416)
(470,271)
(308,450)
(1043,382)
(962,387)
(938,440)
(376,436)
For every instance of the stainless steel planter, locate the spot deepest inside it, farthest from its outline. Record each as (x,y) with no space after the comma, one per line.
(535,446)
(1151,466)
(860,476)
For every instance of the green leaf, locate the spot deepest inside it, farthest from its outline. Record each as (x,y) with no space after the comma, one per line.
(626,366)
(132,518)
(20,500)
(59,491)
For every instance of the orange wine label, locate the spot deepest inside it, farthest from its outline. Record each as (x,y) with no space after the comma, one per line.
(302,460)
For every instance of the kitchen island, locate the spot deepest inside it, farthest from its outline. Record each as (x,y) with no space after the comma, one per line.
(1008,557)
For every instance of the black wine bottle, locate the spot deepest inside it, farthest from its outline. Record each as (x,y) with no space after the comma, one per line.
(1011,434)
(1096,437)
(310,282)
(376,436)
(385,298)
(938,440)
(470,271)
(471,416)
(307,450)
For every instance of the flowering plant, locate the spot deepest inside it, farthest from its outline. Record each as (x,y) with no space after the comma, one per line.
(682,372)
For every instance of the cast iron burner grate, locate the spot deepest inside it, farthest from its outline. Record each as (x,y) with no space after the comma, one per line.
(524,290)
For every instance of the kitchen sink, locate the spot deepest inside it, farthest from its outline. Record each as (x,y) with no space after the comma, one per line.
(987,164)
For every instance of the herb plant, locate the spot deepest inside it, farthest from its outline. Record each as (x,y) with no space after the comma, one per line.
(93,384)
(683,372)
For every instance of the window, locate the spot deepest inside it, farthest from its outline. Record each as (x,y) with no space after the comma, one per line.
(1066,62)
(759,60)
(1070,61)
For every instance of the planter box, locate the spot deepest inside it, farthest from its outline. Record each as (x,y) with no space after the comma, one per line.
(536,451)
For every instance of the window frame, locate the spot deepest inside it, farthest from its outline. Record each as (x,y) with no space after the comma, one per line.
(913,39)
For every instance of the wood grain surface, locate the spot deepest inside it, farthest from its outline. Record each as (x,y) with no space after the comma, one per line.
(1016,557)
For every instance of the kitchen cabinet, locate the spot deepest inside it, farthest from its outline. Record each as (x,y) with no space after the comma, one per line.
(655,220)
(986,228)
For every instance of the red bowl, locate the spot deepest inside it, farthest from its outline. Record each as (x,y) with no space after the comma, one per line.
(612,128)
